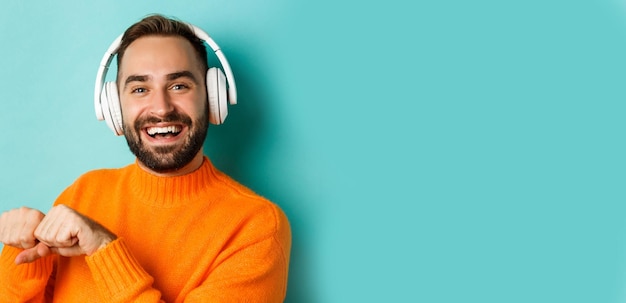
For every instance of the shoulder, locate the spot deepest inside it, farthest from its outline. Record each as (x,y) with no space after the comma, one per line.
(251,205)
(94,180)
(103,174)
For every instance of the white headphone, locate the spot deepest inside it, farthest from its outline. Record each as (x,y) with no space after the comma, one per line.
(107,101)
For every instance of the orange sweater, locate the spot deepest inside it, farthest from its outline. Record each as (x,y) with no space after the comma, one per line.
(201,237)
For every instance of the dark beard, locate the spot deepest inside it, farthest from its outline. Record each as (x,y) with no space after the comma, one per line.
(165,159)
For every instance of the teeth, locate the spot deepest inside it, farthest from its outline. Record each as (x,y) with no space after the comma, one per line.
(163,130)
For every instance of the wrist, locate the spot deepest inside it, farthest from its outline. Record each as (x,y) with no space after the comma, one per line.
(103,244)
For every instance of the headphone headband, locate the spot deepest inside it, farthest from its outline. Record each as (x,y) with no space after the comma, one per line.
(114,47)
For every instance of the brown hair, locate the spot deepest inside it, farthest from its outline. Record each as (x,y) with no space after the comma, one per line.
(158,25)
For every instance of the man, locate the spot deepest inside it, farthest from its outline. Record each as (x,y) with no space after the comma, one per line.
(168,228)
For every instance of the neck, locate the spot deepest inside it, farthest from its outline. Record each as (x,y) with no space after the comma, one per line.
(194,164)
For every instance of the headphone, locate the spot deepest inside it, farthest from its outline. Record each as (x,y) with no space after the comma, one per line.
(107,101)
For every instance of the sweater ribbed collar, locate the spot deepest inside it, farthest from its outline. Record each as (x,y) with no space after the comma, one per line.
(171,191)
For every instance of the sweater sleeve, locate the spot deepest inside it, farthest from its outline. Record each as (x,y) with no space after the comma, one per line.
(25,282)
(256,272)
(119,276)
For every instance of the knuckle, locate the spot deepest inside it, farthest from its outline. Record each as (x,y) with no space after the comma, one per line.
(29,215)
(35,216)
(6,240)
(26,240)
(61,239)
(61,207)
(38,234)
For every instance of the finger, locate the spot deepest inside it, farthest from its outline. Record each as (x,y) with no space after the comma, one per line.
(32,254)
(41,232)
(66,235)
(56,230)
(4,227)
(72,251)
(26,234)
(31,219)
(18,225)
(3,224)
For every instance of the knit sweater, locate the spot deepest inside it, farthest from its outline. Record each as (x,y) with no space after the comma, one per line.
(200,237)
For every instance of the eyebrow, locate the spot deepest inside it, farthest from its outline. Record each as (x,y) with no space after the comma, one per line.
(133,78)
(182,74)
(169,77)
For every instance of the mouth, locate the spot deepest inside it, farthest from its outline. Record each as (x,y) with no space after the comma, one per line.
(164,132)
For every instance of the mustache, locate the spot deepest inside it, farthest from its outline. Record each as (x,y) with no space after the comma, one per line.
(169,118)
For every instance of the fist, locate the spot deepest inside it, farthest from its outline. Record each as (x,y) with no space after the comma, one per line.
(69,233)
(17,227)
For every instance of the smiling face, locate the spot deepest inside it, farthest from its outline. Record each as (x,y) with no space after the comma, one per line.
(164,104)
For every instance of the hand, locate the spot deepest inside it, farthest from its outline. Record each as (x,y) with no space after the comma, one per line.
(17,227)
(68,233)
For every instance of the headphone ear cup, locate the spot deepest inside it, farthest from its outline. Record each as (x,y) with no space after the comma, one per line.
(217,95)
(111,108)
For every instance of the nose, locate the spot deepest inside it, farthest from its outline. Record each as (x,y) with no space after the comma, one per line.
(161,103)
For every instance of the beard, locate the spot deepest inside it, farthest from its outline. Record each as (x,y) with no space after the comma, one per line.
(162,159)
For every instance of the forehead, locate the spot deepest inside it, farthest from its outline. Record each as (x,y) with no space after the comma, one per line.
(153,55)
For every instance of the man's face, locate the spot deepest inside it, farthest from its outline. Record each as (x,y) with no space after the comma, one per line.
(164,107)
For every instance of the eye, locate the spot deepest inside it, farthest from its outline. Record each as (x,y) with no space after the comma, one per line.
(179,86)
(138,90)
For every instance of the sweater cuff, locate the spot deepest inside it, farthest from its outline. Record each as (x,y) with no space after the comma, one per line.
(39,269)
(116,271)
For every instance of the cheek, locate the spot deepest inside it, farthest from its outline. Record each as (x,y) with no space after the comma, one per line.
(197,108)
(129,113)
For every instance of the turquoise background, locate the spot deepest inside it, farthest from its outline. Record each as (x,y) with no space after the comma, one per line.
(424,151)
